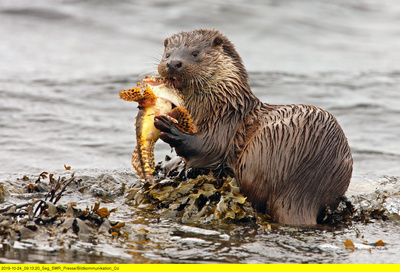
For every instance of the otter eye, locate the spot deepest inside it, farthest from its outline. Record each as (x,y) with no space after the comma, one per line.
(195,53)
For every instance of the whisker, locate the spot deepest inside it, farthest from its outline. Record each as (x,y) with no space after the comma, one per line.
(146,73)
(157,59)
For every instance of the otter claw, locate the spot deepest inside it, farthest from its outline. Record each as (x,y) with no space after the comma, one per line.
(172,119)
(170,133)
(163,123)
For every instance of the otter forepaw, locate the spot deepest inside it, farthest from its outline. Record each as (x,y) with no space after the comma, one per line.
(169,130)
(164,123)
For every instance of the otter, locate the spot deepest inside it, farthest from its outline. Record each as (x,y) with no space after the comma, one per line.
(290,161)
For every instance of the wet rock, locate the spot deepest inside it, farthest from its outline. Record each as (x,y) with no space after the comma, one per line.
(51,208)
(107,188)
(26,233)
(81,227)
(31,225)
(67,224)
(105,227)
(70,211)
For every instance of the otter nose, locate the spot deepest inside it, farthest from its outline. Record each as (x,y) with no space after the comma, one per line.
(174,64)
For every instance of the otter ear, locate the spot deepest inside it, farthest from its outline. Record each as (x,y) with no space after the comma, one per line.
(166,42)
(218,41)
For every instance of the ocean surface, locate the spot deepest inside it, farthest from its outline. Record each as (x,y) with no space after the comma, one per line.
(63,63)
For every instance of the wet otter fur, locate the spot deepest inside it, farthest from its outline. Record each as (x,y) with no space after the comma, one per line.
(291,161)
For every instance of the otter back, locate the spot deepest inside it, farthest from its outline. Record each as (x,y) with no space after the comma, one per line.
(303,163)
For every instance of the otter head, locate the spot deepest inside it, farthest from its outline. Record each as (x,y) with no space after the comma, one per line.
(199,60)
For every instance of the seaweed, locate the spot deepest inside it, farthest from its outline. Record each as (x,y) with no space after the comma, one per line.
(201,199)
(42,215)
